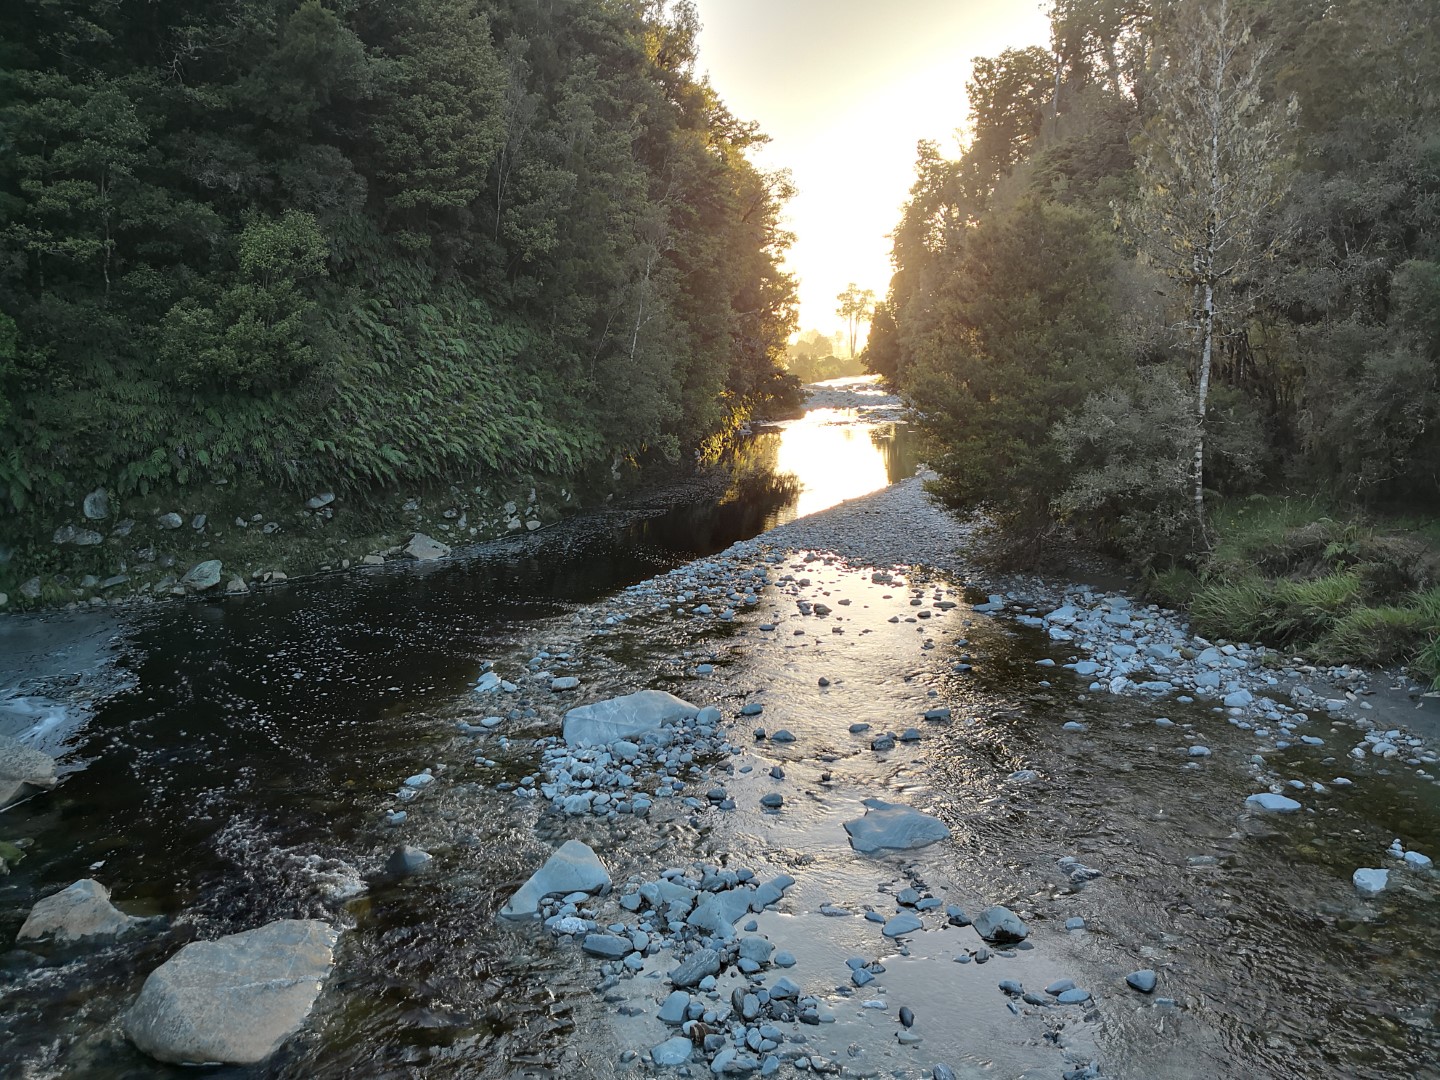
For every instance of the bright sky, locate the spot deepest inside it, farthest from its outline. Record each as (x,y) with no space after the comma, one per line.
(845,89)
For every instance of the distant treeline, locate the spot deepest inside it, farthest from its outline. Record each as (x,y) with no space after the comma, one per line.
(1192,232)
(356,244)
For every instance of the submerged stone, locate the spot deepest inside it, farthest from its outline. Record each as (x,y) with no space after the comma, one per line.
(234,1000)
(82,910)
(890,827)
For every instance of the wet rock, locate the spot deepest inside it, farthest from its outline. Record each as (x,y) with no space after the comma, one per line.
(1142,980)
(202,576)
(942,1072)
(773,801)
(695,967)
(907,1017)
(82,910)
(672,1011)
(904,923)
(890,827)
(1275,804)
(426,549)
(564,682)
(999,925)
(672,1052)
(234,1000)
(23,770)
(405,861)
(574,867)
(1370,882)
(627,717)
(609,946)
(97,505)
(1073,997)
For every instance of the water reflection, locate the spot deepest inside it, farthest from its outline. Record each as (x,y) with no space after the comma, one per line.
(829,456)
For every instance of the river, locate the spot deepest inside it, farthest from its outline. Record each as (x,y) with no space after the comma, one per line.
(244,769)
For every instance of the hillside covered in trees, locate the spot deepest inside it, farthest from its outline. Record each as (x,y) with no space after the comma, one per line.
(1189,256)
(351,246)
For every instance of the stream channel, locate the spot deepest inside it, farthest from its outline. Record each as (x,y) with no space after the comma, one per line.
(244,771)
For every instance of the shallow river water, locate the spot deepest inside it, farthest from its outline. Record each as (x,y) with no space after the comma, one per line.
(245,773)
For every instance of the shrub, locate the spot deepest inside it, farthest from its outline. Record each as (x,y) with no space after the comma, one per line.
(1375,636)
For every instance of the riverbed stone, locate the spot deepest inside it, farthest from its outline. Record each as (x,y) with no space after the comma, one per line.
(423,548)
(574,867)
(998,924)
(234,1000)
(891,827)
(1275,804)
(97,505)
(904,923)
(672,1052)
(79,911)
(406,861)
(695,967)
(628,717)
(1370,882)
(202,576)
(23,770)
(1142,980)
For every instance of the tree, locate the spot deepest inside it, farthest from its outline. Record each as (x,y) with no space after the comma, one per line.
(1210,173)
(856,304)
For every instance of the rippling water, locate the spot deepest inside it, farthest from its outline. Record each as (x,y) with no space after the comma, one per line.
(242,778)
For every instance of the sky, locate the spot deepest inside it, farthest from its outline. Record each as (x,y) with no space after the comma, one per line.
(845,89)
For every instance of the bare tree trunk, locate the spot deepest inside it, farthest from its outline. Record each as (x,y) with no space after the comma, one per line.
(1202,392)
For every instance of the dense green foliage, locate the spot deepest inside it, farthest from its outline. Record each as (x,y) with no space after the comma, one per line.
(811,358)
(1193,253)
(1325,280)
(347,244)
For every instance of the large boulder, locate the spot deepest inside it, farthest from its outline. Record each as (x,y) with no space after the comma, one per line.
(202,576)
(425,548)
(572,868)
(80,911)
(234,1000)
(999,925)
(23,770)
(888,827)
(627,717)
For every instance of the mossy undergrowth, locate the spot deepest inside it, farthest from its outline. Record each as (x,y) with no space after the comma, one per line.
(1291,574)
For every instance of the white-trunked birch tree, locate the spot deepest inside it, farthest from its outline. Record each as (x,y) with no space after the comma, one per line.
(1210,164)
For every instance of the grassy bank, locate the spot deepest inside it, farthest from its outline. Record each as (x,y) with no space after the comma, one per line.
(1298,575)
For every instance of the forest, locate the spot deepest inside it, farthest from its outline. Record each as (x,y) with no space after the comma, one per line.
(362,244)
(1179,293)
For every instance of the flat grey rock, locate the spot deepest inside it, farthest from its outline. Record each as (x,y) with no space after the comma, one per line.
(889,827)
(628,717)
(79,911)
(695,967)
(23,770)
(1275,804)
(672,1052)
(574,867)
(999,924)
(904,923)
(234,1000)
(426,549)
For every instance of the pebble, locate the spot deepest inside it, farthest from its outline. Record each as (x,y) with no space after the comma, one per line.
(1142,980)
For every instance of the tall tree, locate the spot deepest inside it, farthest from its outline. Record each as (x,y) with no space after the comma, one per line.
(1210,170)
(856,304)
